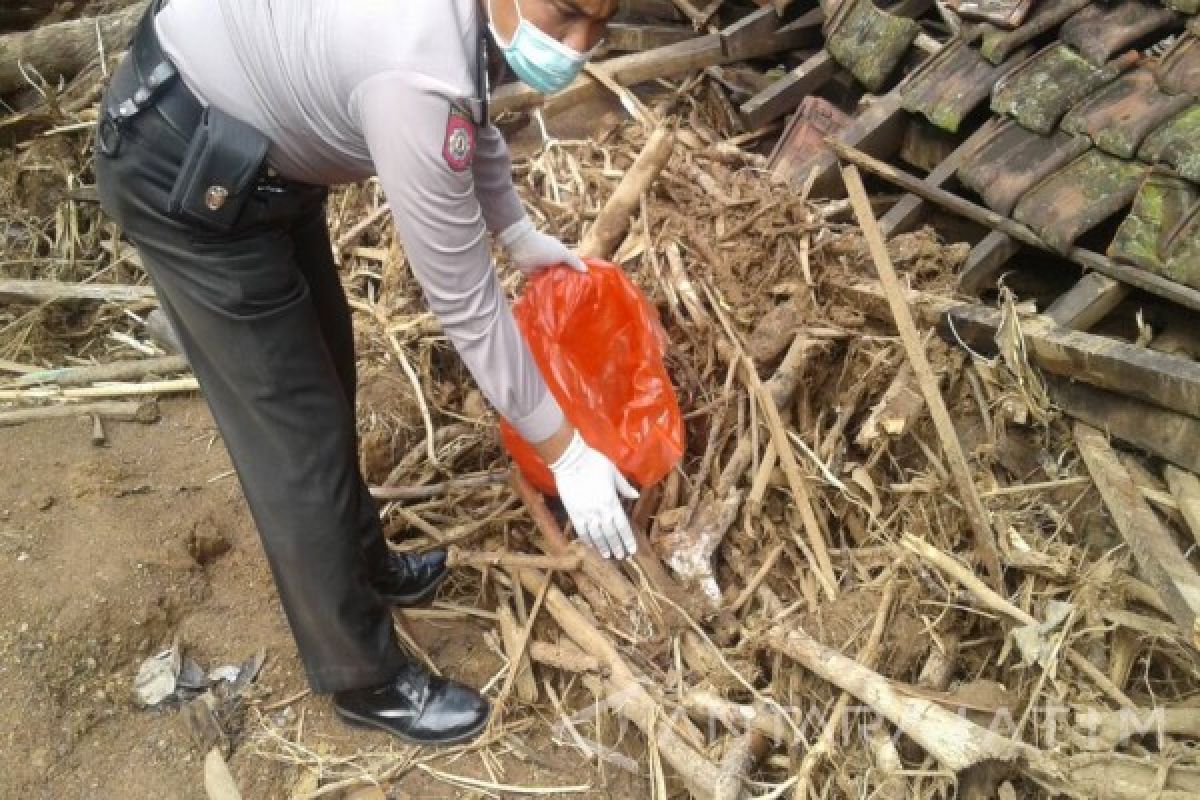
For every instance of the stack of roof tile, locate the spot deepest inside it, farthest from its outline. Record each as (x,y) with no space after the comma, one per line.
(1086,127)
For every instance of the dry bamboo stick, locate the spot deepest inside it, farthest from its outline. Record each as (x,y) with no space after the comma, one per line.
(435,489)
(606,233)
(823,568)
(218,780)
(126,411)
(17,367)
(1113,727)
(993,601)
(515,650)
(1185,488)
(100,373)
(568,562)
(598,573)
(565,656)
(752,585)
(1160,559)
(19,291)
(624,692)
(954,741)
(985,536)
(176,386)
(705,706)
(743,755)
(870,653)
(510,635)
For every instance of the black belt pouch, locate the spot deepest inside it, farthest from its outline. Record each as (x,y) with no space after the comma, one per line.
(219,171)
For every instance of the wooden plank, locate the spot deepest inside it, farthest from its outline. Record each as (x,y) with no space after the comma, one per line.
(1087,302)
(907,213)
(986,262)
(1176,292)
(1166,380)
(650,9)
(1159,558)
(914,347)
(626,36)
(1166,434)
(664,62)
(740,35)
(782,96)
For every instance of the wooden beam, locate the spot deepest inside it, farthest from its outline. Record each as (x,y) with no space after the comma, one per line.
(1167,434)
(878,130)
(1158,556)
(1087,302)
(781,97)
(15,291)
(914,347)
(625,36)
(1166,380)
(908,211)
(651,9)
(986,262)
(663,62)
(740,35)
(1176,292)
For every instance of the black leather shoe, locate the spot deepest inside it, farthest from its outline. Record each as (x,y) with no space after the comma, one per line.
(410,579)
(418,707)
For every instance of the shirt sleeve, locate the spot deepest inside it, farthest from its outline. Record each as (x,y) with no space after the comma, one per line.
(422,155)
(493,181)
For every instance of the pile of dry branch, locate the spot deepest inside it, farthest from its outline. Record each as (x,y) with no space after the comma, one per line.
(886,567)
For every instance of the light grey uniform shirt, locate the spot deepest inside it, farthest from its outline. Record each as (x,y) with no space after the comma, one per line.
(346,89)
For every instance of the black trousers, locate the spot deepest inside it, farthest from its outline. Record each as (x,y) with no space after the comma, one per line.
(263,319)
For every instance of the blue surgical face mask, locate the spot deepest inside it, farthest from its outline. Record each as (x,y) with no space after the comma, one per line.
(539,59)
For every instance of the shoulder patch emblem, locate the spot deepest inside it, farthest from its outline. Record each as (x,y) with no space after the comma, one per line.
(459,146)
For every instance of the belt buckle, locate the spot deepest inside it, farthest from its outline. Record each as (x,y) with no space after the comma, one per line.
(108,136)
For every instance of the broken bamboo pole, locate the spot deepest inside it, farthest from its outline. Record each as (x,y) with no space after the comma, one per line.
(606,233)
(977,515)
(1176,292)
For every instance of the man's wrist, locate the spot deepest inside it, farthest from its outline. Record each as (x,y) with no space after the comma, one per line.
(552,449)
(510,235)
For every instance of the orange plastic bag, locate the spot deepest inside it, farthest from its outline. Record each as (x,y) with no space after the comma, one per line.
(600,345)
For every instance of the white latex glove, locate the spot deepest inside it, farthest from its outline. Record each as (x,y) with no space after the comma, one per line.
(531,250)
(588,485)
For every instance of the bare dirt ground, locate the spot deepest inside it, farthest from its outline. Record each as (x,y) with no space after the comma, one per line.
(98,574)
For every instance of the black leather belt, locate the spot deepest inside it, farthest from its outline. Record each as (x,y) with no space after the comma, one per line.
(159,86)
